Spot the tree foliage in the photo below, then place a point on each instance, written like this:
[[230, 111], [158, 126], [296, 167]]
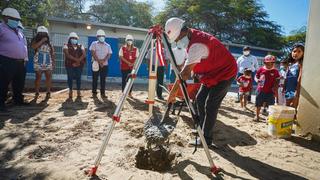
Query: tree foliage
[[238, 21], [296, 36], [31, 11], [122, 12], [72, 9]]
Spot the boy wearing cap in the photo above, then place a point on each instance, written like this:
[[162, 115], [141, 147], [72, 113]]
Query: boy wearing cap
[[267, 79], [128, 55], [245, 86], [13, 52], [101, 53]]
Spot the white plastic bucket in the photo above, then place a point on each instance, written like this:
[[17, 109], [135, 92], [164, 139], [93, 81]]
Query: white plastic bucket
[[280, 121]]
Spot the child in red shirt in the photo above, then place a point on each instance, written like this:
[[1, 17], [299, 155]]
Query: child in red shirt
[[245, 86], [267, 78]]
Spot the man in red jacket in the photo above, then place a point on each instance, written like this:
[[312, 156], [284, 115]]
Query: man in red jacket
[[214, 65]]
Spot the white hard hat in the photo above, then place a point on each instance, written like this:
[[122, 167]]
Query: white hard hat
[[95, 66], [179, 55], [42, 29], [74, 35], [11, 13], [173, 28], [101, 32], [129, 37]]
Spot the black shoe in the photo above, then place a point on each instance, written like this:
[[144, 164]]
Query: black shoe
[[161, 98], [103, 95], [237, 101]]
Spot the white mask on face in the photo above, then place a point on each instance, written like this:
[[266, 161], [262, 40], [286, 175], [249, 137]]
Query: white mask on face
[[101, 38], [129, 43], [184, 42], [246, 53]]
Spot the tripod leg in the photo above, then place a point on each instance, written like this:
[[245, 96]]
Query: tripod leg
[[116, 115]]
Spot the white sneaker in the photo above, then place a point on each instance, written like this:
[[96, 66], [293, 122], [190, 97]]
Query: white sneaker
[[194, 131], [193, 142]]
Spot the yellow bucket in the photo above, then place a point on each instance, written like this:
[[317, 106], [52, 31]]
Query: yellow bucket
[[280, 121]]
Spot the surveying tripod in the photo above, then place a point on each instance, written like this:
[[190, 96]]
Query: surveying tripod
[[156, 32]]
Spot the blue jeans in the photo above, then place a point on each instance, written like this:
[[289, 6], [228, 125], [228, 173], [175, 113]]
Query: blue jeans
[[74, 73]]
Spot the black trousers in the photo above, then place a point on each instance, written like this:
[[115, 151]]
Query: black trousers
[[102, 73], [208, 101], [11, 71], [160, 76], [125, 74]]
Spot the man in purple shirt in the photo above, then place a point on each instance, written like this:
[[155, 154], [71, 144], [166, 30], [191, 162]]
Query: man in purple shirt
[[13, 51]]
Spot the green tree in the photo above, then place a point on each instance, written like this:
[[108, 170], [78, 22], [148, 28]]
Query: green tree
[[238, 21], [72, 9], [32, 12], [296, 36], [122, 12]]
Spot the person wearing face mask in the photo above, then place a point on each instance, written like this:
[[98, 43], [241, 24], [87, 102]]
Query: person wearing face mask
[[214, 65], [247, 61], [44, 59], [128, 54], [181, 55], [75, 58], [13, 52], [101, 53]]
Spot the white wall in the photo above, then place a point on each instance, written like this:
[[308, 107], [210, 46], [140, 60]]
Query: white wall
[[309, 107]]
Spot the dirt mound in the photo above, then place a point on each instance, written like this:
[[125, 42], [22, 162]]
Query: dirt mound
[[42, 152], [159, 158]]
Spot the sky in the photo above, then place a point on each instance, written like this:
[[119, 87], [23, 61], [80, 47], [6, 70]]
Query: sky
[[289, 14]]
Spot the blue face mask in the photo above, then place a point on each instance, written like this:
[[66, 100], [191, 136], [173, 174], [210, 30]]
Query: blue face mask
[[12, 23], [74, 41]]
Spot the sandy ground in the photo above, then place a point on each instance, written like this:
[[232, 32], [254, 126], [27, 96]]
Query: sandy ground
[[59, 139]]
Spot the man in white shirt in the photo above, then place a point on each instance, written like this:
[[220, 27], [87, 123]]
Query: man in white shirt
[[247, 61], [101, 52]]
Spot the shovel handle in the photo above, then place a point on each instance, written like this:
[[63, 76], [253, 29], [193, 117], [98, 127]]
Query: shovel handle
[[168, 110]]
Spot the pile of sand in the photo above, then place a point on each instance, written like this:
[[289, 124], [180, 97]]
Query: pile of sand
[[58, 139]]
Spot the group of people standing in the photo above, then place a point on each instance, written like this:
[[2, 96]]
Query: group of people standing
[[273, 86], [202, 55], [14, 57]]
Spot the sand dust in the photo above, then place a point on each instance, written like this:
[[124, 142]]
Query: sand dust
[[59, 139]]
